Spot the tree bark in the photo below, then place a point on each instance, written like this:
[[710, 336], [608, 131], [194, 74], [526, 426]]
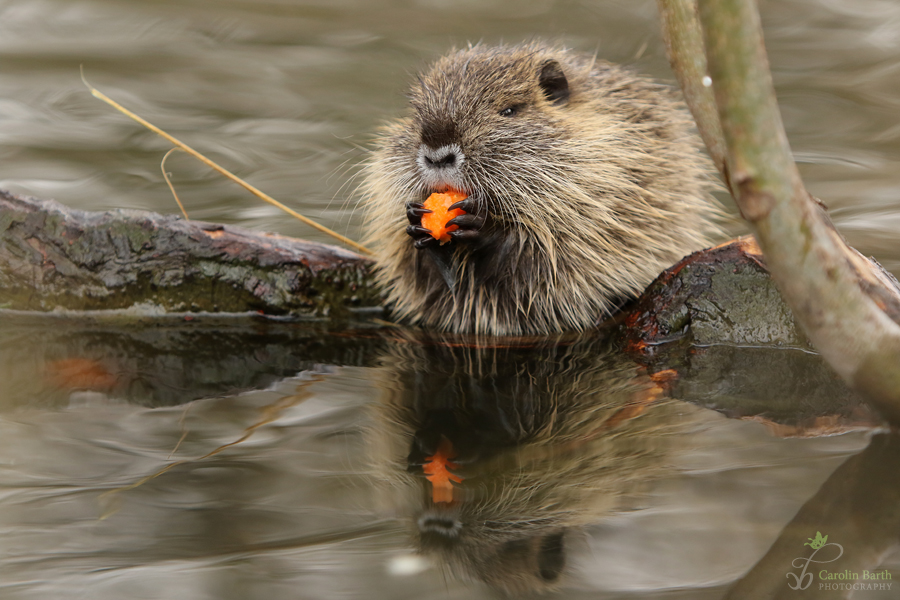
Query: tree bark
[[53, 257]]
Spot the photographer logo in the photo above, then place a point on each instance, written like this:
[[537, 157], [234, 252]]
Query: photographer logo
[[824, 553]]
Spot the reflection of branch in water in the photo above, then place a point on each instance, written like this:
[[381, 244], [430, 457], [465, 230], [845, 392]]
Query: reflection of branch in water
[[270, 413], [184, 430], [856, 508]]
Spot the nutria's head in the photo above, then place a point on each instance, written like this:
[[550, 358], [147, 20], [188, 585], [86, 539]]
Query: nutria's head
[[489, 121], [485, 135]]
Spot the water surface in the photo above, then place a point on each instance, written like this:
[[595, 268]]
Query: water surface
[[296, 455]]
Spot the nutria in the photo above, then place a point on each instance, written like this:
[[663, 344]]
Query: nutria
[[546, 440], [584, 181]]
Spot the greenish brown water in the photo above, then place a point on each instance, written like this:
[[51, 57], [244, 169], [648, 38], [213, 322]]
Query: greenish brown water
[[327, 497]]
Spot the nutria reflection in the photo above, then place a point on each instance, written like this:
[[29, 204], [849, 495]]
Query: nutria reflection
[[494, 454]]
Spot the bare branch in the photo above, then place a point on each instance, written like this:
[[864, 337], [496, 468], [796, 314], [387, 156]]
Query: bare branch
[[843, 301], [684, 47]]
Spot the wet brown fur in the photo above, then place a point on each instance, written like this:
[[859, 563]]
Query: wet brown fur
[[589, 197]]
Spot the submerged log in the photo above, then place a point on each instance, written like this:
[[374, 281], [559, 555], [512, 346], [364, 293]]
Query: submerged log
[[721, 295], [713, 327], [54, 257]]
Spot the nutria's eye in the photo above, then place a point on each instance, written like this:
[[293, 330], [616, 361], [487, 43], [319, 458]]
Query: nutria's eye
[[509, 111]]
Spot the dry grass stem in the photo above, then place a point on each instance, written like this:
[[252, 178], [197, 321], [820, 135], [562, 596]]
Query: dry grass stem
[[162, 166], [253, 190]]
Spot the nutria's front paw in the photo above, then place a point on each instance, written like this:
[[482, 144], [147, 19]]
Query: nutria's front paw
[[471, 225], [421, 236]]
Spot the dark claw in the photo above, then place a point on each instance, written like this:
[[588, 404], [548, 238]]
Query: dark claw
[[471, 225], [417, 231], [467, 221], [465, 235], [425, 242], [414, 212], [470, 205], [421, 236]]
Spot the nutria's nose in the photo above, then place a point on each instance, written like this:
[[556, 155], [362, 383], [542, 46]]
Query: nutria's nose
[[434, 523], [445, 160]]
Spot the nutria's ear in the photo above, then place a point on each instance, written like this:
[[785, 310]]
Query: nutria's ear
[[554, 83]]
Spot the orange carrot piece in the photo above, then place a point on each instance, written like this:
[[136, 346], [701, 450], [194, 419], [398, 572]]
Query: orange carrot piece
[[436, 471], [436, 220]]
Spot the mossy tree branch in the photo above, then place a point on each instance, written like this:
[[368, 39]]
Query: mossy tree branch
[[844, 302]]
